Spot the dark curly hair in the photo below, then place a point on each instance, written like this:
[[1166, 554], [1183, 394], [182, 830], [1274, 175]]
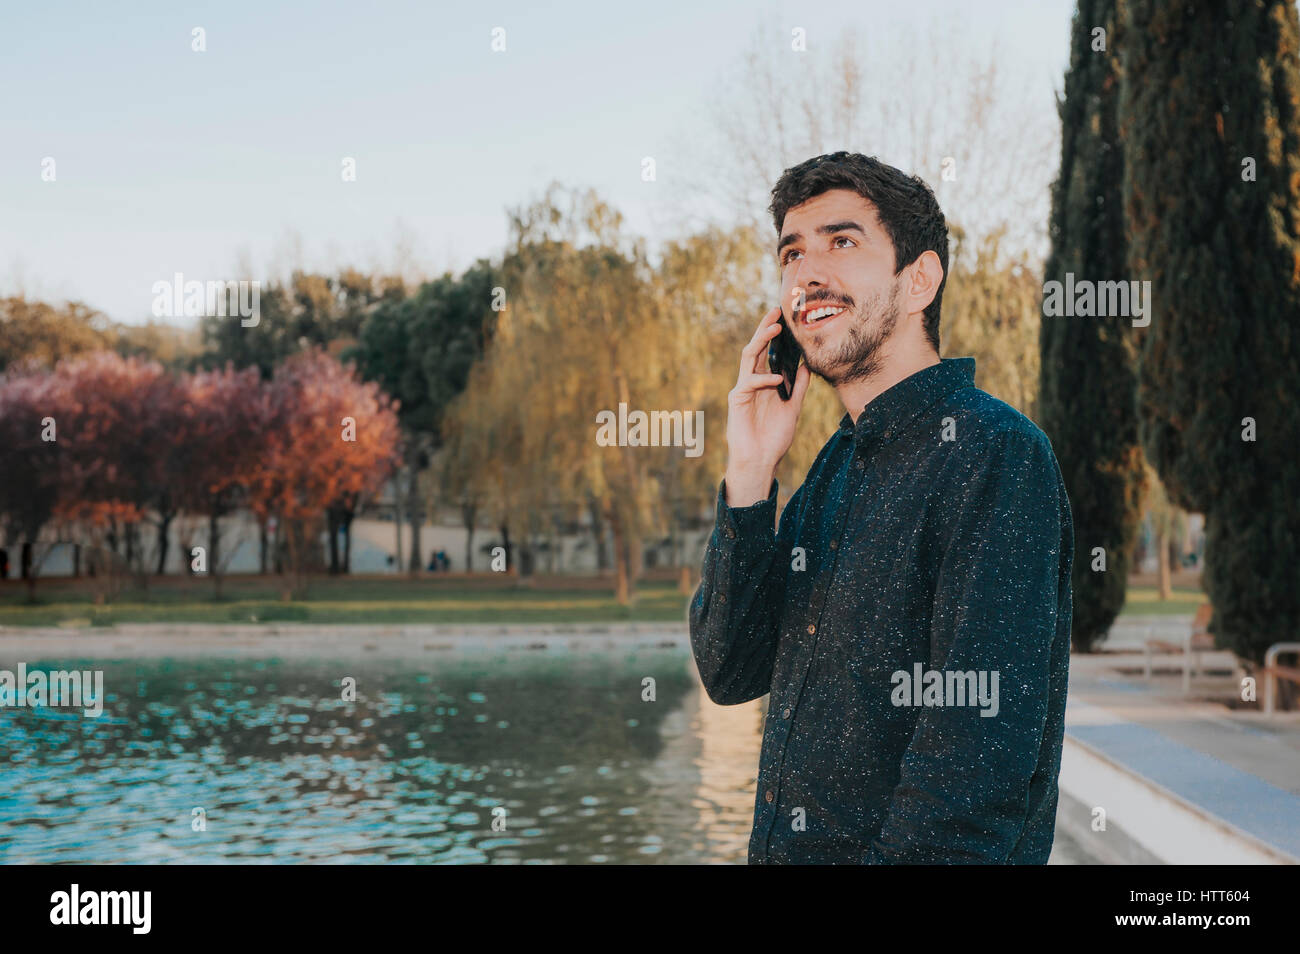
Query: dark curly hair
[[906, 206]]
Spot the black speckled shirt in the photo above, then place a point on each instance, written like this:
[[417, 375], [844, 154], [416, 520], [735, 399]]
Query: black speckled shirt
[[911, 619]]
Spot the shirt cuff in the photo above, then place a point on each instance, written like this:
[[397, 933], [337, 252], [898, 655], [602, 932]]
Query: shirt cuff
[[745, 522]]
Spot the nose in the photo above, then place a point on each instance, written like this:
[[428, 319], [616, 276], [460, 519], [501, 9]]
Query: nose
[[811, 270]]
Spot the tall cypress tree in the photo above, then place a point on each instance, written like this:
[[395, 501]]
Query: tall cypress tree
[[1088, 378], [1210, 121]]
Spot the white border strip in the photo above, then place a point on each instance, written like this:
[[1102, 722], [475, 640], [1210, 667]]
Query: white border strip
[[1166, 825]]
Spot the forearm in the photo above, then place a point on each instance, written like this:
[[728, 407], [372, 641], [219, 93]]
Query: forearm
[[746, 485], [735, 612]]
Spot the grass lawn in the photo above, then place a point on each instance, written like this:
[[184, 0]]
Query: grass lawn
[[429, 599], [1145, 601], [344, 600]]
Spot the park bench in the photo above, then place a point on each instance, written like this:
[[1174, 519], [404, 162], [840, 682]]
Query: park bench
[[1197, 640]]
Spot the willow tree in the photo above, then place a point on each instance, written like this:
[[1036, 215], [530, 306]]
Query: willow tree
[[712, 287], [991, 313], [1210, 122], [1088, 386], [593, 334], [577, 336]]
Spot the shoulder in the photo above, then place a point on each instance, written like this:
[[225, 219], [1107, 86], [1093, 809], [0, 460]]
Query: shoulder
[[999, 462], [985, 426]]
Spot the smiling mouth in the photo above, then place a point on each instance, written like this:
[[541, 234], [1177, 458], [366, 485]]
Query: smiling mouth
[[814, 316]]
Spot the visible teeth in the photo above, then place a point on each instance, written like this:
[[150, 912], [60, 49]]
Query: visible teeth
[[824, 312]]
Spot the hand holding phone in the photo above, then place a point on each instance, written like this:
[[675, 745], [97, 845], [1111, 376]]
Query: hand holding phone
[[783, 356], [760, 419]]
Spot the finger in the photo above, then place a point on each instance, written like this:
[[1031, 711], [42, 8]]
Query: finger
[[761, 338], [767, 380], [768, 327], [754, 357], [755, 381]]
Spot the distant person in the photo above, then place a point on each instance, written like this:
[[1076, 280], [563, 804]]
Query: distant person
[[4, 564], [910, 618]]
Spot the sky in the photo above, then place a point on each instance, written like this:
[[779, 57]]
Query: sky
[[227, 163]]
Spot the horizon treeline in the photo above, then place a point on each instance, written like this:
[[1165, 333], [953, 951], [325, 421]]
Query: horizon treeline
[[496, 377]]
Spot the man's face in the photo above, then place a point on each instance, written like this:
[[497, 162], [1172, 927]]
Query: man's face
[[834, 254]]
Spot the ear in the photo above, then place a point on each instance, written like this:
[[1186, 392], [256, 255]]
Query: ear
[[921, 284]]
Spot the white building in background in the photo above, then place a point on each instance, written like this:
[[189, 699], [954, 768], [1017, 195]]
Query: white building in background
[[374, 546]]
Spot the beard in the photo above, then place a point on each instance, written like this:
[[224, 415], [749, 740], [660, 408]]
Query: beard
[[859, 356]]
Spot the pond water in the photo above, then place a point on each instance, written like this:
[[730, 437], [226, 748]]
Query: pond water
[[284, 770]]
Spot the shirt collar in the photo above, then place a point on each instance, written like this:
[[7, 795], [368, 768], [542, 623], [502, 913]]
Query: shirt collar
[[891, 411]]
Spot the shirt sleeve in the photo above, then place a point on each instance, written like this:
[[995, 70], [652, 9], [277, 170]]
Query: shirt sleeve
[[736, 611], [964, 784]]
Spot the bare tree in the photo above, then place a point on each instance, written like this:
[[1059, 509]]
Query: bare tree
[[971, 123]]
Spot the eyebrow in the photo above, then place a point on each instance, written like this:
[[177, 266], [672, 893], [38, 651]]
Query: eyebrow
[[831, 229]]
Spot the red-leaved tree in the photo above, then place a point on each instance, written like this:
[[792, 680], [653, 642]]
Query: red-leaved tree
[[332, 441], [31, 406]]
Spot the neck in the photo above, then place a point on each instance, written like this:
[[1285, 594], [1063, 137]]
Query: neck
[[903, 360]]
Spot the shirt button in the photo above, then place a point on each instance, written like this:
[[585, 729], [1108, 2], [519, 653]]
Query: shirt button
[[768, 795], [722, 597], [835, 544], [786, 713], [859, 463], [730, 531], [812, 628]]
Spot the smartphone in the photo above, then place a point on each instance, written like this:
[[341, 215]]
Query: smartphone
[[783, 354]]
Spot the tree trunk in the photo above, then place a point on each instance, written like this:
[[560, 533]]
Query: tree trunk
[[1162, 551], [293, 544], [332, 531], [261, 547], [505, 544], [397, 524], [598, 536], [214, 552], [347, 542], [685, 585], [306, 548], [416, 515], [277, 547], [636, 557], [622, 582], [164, 530], [27, 570], [76, 560], [128, 532], [467, 512], [137, 558]]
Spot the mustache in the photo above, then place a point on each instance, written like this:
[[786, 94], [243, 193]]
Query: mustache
[[810, 303]]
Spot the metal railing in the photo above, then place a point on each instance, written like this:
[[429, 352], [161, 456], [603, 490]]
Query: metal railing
[[1273, 672]]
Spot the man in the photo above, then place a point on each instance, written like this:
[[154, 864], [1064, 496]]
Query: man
[[910, 617]]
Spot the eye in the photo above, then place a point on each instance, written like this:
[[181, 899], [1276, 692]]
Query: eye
[[785, 259], [844, 238]]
